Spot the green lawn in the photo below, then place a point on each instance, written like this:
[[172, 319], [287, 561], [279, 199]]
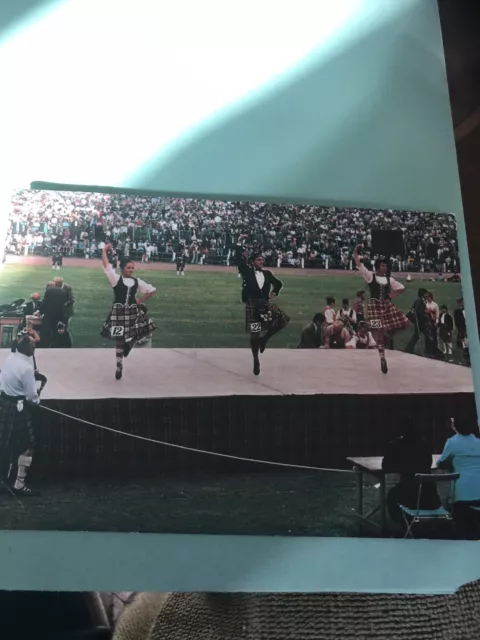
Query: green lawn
[[299, 503], [201, 309]]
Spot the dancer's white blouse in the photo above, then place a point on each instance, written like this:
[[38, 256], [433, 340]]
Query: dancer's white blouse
[[383, 280], [114, 277]]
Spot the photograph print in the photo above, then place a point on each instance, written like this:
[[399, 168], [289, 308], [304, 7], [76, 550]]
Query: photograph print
[[176, 365]]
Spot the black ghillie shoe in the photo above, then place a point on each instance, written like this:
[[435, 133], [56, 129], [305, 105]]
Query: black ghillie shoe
[[383, 365], [256, 366], [118, 373]]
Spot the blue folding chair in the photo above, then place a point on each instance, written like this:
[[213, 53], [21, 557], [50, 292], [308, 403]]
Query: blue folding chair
[[416, 516]]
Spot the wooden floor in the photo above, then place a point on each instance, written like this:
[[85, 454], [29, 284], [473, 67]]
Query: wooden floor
[[176, 373]]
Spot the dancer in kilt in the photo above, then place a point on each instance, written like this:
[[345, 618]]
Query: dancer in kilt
[[263, 319], [128, 321], [17, 396], [383, 316], [181, 262]]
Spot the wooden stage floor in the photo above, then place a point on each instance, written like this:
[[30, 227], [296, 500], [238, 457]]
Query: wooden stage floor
[[88, 374]]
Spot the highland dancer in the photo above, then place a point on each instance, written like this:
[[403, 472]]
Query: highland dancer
[[383, 316], [128, 321], [263, 319]]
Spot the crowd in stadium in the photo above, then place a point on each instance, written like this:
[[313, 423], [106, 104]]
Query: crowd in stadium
[[76, 223]]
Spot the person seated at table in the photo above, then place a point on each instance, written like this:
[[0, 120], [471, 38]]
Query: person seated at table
[[408, 455], [461, 454]]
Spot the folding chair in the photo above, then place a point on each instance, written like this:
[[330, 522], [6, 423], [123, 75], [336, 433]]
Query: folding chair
[[417, 515], [476, 510]]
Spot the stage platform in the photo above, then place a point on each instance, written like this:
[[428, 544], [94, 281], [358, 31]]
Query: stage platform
[[88, 374], [307, 407]]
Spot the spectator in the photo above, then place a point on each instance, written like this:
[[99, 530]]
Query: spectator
[[61, 338], [312, 334], [363, 339], [336, 336], [460, 323], [347, 316], [461, 454], [408, 455], [295, 235], [359, 305], [70, 299], [422, 327], [330, 313], [33, 307], [55, 308], [445, 330], [432, 308]]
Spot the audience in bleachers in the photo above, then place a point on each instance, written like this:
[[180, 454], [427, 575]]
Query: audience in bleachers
[[295, 236]]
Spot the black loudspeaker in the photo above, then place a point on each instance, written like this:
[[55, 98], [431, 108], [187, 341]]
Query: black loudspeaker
[[388, 243]]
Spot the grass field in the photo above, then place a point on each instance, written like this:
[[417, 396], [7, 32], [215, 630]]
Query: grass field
[[269, 503], [201, 310]]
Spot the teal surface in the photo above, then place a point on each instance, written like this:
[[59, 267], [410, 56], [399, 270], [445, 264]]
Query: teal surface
[[366, 123]]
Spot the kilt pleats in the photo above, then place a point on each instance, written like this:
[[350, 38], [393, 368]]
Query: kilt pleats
[[382, 314], [129, 322], [260, 316]]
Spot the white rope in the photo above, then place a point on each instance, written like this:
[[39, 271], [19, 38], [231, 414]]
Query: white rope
[[184, 448]]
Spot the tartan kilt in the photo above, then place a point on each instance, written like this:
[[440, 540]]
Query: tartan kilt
[[16, 433], [260, 316], [129, 322], [382, 314]]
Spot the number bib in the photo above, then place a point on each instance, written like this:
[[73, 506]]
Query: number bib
[[117, 331]]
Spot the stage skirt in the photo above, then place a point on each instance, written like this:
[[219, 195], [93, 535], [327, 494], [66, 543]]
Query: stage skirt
[[260, 316], [129, 322], [16, 432], [384, 315]]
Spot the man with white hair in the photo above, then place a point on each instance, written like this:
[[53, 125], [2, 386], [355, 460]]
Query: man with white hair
[[32, 308], [57, 307]]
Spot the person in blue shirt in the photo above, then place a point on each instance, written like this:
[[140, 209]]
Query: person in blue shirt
[[461, 454]]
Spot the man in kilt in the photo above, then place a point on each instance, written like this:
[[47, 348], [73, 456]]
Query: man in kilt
[[181, 260], [57, 258], [263, 319], [384, 318], [18, 393], [128, 321]]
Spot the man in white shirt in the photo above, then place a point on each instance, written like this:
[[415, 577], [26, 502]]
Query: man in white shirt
[[348, 316], [462, 455], [17, 393]]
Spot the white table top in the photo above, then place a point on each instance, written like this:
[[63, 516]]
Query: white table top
[[374, 463]]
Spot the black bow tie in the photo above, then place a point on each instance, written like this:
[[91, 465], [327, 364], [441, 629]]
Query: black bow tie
[[257, 269]]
